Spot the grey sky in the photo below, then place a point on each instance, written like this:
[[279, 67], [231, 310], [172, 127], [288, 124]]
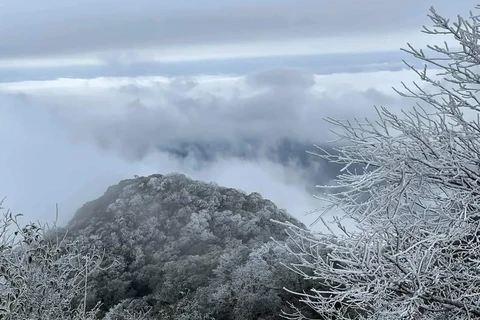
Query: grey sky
[[111, 29]]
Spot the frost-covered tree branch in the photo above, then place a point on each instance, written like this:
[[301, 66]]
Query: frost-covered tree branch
[[415, 249]]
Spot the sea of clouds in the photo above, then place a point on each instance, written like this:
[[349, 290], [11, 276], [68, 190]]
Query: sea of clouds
[[65, 141]]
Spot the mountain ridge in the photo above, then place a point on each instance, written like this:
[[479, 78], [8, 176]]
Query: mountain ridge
[[183, 247]]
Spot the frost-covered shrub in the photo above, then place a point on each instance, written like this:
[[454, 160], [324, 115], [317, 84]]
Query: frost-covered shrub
[[42, 276], [414, 249]]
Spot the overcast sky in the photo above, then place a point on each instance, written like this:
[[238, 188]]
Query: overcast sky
[[92, 92], [56, 32]]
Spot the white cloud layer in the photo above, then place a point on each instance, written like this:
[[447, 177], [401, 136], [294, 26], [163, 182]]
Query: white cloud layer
[[67, 140]]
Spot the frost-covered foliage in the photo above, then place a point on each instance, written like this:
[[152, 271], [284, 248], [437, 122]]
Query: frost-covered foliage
[[42, 276], [415, 251], [187, 249], [128, 309]]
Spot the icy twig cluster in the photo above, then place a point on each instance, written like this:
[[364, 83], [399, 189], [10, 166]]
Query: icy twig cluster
[[411, 184]]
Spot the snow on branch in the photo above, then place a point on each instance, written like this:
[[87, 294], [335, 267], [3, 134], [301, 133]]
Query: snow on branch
[[415, 251]]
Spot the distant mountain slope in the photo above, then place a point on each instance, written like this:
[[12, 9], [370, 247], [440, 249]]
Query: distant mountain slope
[[188, 249]]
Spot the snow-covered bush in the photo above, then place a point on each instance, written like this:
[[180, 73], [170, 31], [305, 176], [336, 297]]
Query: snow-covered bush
[[42, 276], [414, 252]]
